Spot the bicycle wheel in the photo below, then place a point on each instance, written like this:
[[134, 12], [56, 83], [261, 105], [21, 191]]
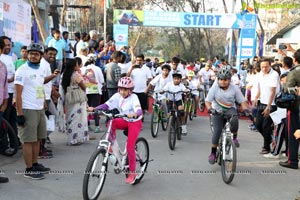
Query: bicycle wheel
[[10, 137], [172, 132], [228, 162], [95, 174], [142, 158], [164, 122], [154, 122], [192, 109], [178, 128]]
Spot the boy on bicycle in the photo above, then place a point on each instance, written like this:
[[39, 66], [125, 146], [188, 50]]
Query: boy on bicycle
[[222, 98], [126, 103], [193, 84], [158, 83], [176, 86]]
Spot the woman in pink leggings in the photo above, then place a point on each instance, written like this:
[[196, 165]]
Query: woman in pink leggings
[[127, 103]]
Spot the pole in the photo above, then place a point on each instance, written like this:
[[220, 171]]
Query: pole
[[230, 39], [104, 19]]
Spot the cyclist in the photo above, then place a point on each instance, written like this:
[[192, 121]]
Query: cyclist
[[126, 103], [222, 98], [158, 83], [193, 84], [175, 86]]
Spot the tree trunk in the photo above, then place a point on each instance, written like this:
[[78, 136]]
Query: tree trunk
[[63, 13], [39, 21]]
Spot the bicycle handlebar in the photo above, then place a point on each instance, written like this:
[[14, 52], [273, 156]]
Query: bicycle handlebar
[[109, 115]]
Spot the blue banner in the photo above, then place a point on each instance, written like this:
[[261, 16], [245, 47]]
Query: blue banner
[[199, 20], [121, 35]]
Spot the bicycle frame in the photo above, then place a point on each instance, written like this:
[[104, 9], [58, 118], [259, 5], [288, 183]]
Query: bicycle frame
[[106, 144]]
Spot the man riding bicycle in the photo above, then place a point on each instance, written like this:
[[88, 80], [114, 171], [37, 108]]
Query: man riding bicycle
[[222, 98]]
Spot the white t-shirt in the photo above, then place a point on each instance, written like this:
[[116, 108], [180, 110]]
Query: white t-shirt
[[98, 78], [8, 61], [32, 81], [129, 105], [179, 69], [45, 66], [174, 88], [159, 82], [253, 82], [265, 84], [193, 85], [124, 67], [140, 77], [206, 75]]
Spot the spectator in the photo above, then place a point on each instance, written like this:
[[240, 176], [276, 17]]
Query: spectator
[[60, 46], [293, 80], [93, 43], [10, 113], [268, 86], [23, 58], [30, 99], [81, 43], [77, 39], [68, 45], [3, 93], [113, 73], [49, 57], [141, 75], [76, 114], [94, 81], [50, 37]]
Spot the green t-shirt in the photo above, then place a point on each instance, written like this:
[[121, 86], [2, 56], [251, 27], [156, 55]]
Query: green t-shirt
[[18, 63]]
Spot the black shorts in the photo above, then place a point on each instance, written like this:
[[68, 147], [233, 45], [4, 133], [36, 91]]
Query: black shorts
[[170, 104], [143, 98]]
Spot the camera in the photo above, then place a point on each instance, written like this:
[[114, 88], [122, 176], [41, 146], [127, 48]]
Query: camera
[[282, 46], [292, 90], [137, 66], [274, 50]]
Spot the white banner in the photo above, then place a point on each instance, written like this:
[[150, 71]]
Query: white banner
[[17, 21]]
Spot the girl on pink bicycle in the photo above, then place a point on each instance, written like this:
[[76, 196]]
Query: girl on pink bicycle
[[126, 103]]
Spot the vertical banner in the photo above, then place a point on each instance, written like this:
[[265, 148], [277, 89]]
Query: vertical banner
[[1, 18], [121, 35], [17, 21]]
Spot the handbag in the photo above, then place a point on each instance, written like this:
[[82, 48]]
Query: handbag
[[74, 95], [284, 100]]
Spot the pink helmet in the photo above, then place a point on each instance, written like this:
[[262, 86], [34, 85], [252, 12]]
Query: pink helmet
[[126, 82]]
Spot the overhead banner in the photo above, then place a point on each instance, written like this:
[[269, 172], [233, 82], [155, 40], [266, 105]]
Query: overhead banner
[[184, 19], [245, 22], [17, 21]]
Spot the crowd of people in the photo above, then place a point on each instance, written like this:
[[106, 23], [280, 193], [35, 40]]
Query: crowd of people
[[98, 76]]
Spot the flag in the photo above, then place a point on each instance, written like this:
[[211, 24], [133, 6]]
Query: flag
[[35, 32], [106, 3]]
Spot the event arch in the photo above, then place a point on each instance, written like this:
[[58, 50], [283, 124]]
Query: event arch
[[148, 18]]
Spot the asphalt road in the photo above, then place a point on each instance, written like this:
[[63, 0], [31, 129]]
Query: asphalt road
[[183, 174]]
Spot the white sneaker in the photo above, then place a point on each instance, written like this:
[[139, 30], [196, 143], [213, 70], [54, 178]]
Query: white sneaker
[[184, 130], [271, 156]]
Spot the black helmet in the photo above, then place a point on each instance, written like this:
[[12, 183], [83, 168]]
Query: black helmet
[[166, 66], [177, 74], [35, 47], [224, 72]]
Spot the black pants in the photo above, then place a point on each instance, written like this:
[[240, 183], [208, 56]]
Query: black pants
[[265, 125], [94, 101], [293, 125]]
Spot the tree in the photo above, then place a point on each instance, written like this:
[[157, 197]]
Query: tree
[[63, 12]]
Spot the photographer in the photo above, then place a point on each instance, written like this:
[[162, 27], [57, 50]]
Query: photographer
[[292, 81]]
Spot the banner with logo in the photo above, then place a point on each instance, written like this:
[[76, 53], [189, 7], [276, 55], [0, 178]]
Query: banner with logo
[[121, 35]]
